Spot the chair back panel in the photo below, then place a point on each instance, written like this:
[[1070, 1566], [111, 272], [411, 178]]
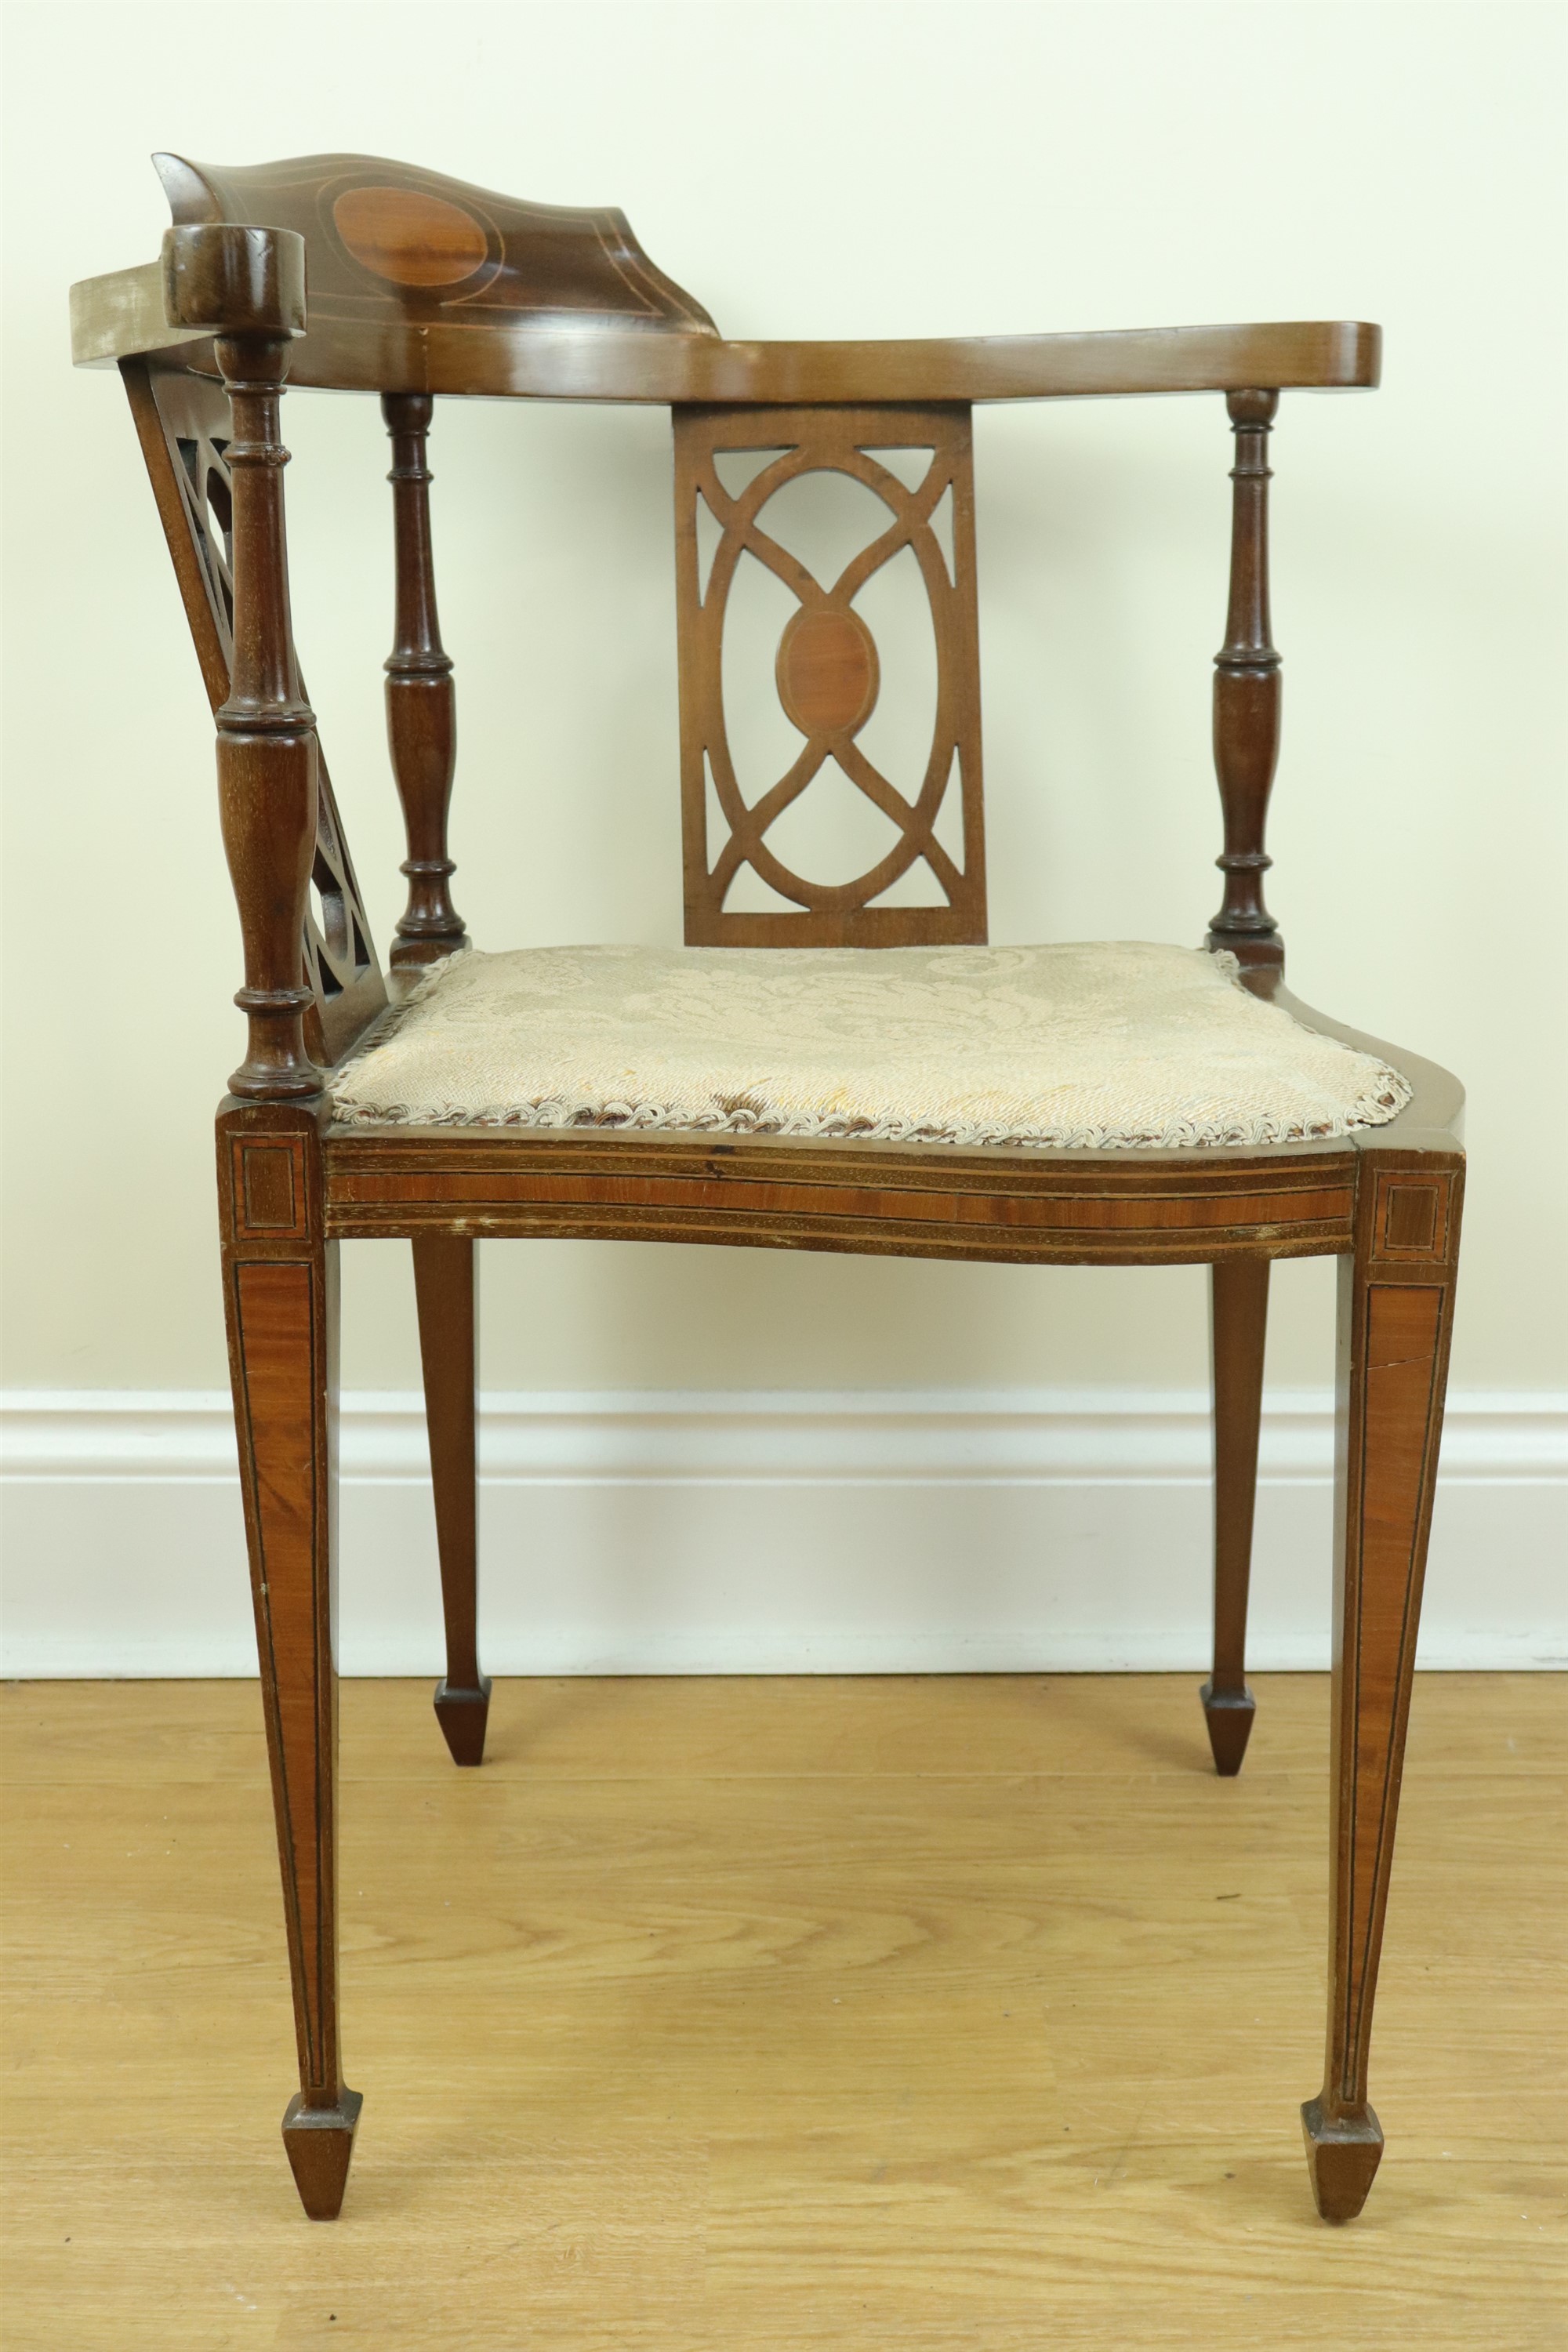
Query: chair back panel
[[184, 428], [389, 244], [926, 883], [859, 824]]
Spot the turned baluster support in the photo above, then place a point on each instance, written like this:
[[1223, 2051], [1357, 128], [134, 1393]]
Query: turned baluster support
[[246, 287], [421, 704], [1246, 700], [265, 739]]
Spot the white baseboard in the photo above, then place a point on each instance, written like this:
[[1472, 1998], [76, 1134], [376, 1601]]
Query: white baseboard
[[927, 1531]]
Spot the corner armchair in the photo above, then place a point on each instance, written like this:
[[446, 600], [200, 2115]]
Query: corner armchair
[[837, 1064]]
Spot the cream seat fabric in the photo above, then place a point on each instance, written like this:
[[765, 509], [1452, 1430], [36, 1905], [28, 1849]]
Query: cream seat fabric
[[1120, 1045]]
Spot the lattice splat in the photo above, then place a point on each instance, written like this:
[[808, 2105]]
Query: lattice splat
[[184, 425], [828, 676]]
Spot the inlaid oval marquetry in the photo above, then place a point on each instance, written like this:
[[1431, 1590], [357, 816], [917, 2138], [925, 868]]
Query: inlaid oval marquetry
[[830, 812], [828, 671], [410, 238]]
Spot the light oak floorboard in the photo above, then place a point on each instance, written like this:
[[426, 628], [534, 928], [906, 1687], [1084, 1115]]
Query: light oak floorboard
[[785, 2014]]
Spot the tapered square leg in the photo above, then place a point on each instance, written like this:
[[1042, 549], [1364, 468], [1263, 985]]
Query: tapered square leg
[[445, 1289], [280, 1281], [1396, 1296], [1238, 1318]]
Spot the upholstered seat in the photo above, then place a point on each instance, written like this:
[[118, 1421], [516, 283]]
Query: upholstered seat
[[1115, 1045]]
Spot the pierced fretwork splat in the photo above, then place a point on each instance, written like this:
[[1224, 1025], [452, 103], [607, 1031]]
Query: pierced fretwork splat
[[184, 425], [210, 514], [911, 856]]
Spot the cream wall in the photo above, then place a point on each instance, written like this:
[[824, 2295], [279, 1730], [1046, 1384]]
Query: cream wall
[[821, 170]]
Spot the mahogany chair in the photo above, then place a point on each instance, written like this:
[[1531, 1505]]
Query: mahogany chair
[[412, 1103]]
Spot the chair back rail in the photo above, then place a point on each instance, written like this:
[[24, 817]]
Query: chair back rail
[[421, 285], [124, 312]]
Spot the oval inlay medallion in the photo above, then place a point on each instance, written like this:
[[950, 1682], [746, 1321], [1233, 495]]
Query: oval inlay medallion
[[828, 671], [408, 237]]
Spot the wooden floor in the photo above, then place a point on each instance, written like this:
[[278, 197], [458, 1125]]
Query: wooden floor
[[781, 2014]]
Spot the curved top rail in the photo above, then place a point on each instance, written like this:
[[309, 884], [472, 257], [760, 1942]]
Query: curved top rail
[[388, 245], [120, 317], [418, 283]]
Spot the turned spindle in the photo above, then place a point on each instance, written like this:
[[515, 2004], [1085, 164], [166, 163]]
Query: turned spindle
[[1246, 700], [421, 705], [266, 757]]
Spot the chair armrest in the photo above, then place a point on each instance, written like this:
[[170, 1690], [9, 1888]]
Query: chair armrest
[[128, 313]]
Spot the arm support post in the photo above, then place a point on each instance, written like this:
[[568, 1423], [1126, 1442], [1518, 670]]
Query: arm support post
[[1246, 700], [266, 757], [421, 705]]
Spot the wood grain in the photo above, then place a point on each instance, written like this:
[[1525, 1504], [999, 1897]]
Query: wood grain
[[1247, 699], [276, 1317], [420, 284], [796, 1193], [954, 2011], [390, 244], [1238, 1322], [266, 758], [123, 315], [280, 1294], [184, 428], [826, 672], [446, 1289], [421, 701], [1396, 1314]]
